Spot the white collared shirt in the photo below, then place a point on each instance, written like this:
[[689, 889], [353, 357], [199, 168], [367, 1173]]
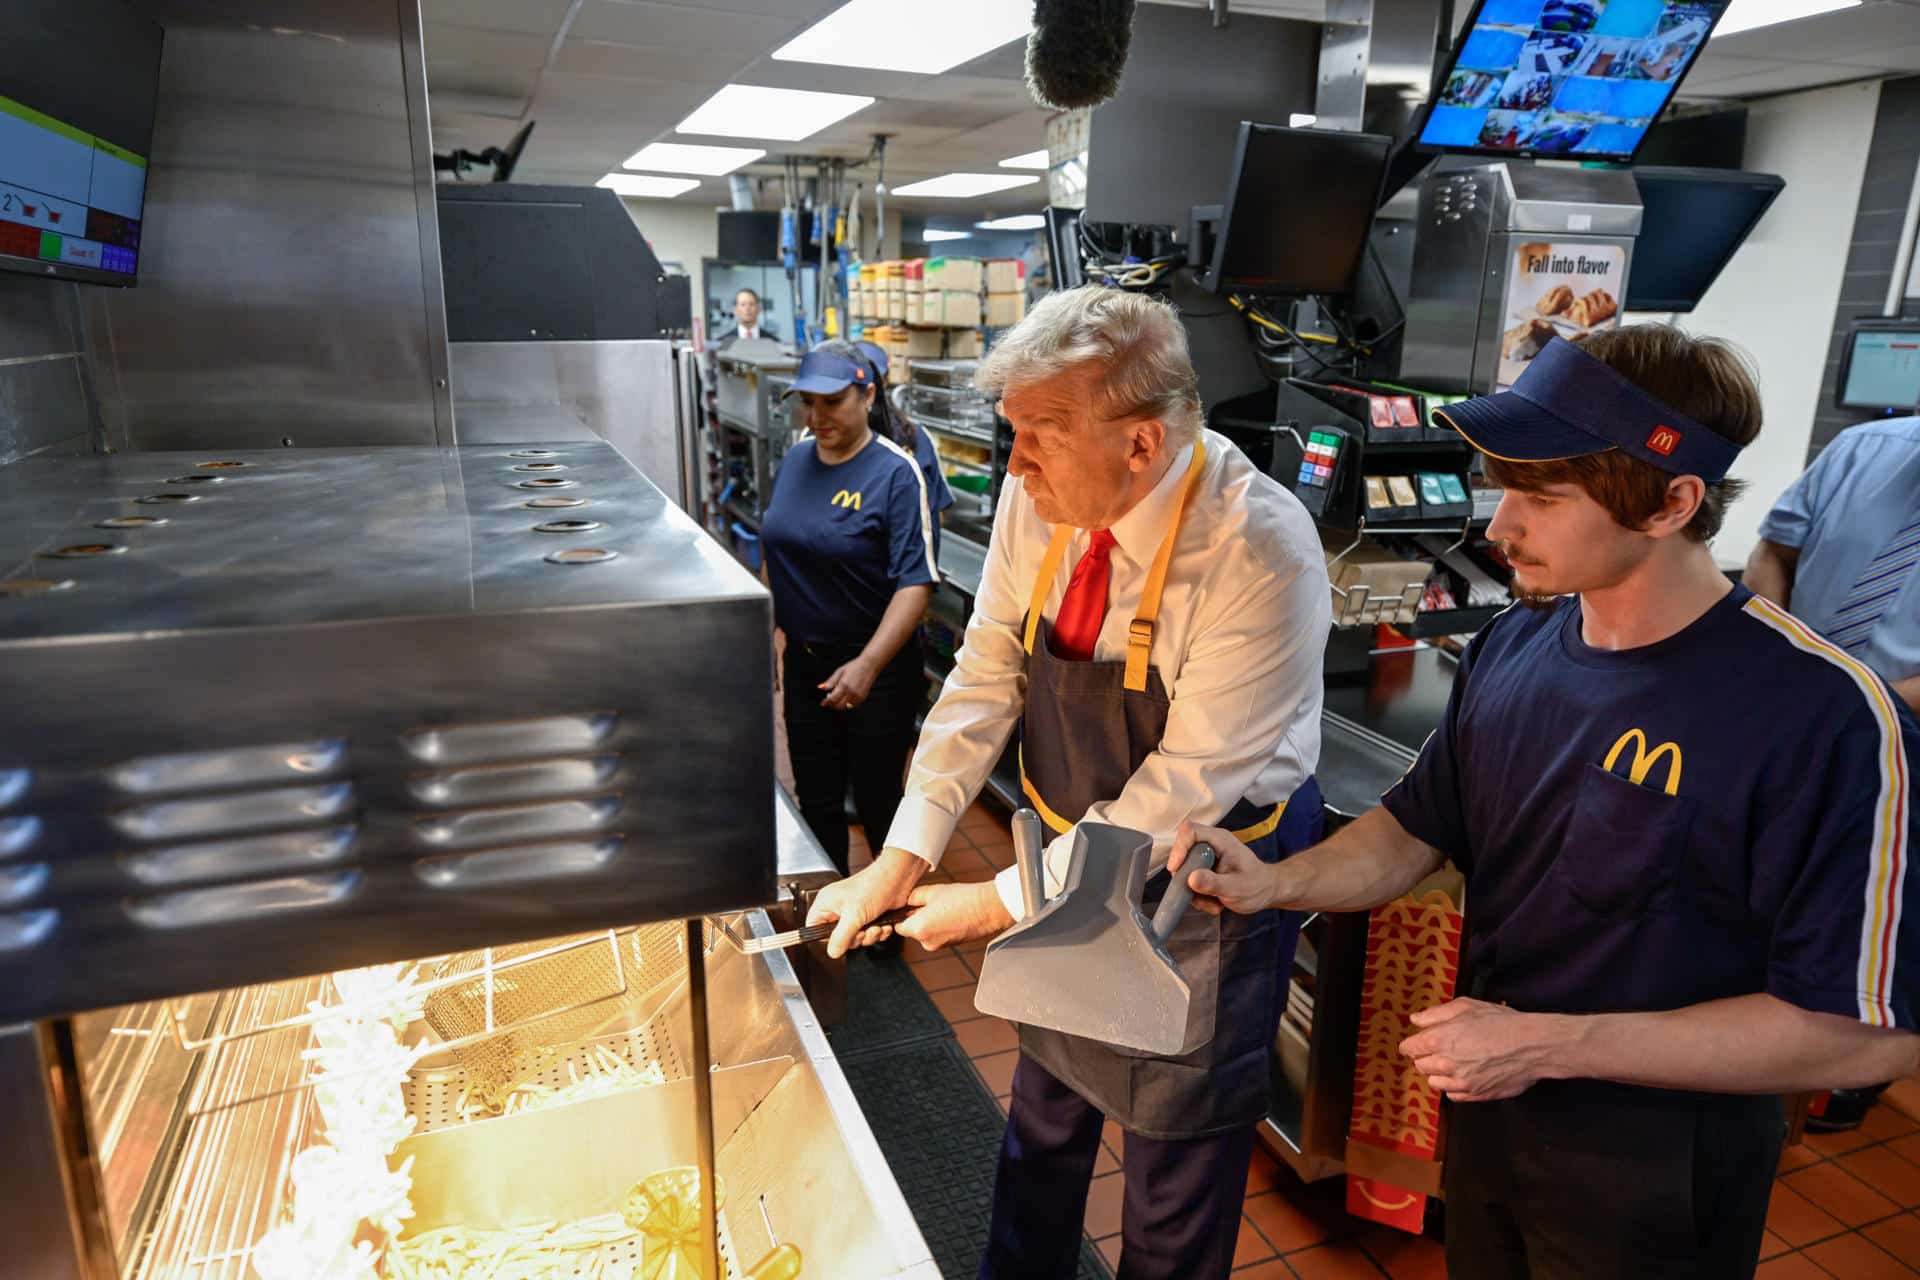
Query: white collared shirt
[[1239, 645]]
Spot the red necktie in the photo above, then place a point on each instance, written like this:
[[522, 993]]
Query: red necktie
[[1084, 607]]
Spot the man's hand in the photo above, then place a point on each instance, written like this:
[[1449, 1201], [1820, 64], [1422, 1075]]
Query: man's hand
[[951, 913], [1478, 1052], [1239, 881], [863, 895], [849, 684]]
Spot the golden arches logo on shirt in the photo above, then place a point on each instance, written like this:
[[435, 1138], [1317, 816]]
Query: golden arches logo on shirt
[[1644, 760], [848, 499]]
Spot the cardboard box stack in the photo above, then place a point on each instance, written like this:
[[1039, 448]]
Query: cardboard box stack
[[916, 272], [1006, 292]]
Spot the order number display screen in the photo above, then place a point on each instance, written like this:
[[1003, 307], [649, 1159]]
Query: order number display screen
[[67, 196], [1883, 370], [1580, 78]]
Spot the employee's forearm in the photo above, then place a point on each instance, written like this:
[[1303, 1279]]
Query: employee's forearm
[[904, 611], [1908, 691], [1769, 572], [1749, 1044], [1371, 860]]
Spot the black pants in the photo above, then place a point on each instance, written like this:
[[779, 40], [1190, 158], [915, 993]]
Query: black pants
[[1578, 1181], [867, 745], [1181, 1216]]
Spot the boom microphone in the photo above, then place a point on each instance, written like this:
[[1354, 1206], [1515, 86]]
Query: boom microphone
[[1077, 51]]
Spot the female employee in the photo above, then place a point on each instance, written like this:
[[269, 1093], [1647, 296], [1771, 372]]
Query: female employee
[[849, 552], [914, 439]]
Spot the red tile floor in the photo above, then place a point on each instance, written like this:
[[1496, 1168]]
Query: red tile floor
[[1844, 1204]]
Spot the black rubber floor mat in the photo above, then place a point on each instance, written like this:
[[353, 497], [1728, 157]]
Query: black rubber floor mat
[[940, 1130], [886, 1008]]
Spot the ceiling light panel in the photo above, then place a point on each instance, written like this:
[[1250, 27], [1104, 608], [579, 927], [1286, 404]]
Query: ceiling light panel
[[932, 235], [1019, 222], [961, 185], [785, 115], [925, 37], [686, 157], [1031, 160], [1746, 15], [650, 186]]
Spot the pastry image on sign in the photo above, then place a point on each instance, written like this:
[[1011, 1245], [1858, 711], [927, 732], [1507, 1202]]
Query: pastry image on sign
[[1524, 340], [1592, 309], [1557, 288]]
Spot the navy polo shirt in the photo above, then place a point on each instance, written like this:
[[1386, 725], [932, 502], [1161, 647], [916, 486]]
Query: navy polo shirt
[[1725, 812], [840, 539]]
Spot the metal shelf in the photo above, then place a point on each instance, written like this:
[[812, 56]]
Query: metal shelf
[[961, 563], [942, 427]]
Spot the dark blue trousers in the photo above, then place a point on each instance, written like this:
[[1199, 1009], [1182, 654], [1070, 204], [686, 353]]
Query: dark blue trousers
[[1182, 1215]]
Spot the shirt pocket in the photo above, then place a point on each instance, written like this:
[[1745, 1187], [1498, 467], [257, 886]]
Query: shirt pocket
[[1625, 846]]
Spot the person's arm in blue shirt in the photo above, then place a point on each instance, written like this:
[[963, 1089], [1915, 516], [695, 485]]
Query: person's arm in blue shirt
[[1378, 857], [910, 553], [1775, 557]]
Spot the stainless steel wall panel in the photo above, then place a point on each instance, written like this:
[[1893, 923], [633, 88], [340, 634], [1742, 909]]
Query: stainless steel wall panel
[[622, 392], [283, 290]]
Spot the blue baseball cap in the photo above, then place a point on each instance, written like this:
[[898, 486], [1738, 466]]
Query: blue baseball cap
[[877, 354], [824, 373], [1569, 405]]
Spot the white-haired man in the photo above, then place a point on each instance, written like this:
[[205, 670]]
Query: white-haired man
[[1152, 615]]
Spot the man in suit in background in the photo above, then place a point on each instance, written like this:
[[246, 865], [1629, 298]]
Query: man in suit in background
[[746, 319]]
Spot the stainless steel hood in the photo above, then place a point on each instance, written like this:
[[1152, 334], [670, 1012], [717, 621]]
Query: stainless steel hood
[[269, 712]]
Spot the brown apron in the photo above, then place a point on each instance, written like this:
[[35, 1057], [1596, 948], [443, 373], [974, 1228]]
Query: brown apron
[[1086, 728]]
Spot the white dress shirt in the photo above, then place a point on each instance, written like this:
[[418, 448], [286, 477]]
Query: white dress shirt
[[1239, 645]]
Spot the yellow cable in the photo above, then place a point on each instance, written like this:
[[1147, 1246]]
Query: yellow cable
[[1281, 329]]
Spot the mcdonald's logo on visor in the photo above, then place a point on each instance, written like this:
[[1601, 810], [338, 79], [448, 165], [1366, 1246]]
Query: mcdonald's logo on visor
[[846, 499], [1643, 760], [1664, 441]]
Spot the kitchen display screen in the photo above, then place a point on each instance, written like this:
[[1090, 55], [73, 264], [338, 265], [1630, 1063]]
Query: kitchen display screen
[[78, 79], [1577, 78]]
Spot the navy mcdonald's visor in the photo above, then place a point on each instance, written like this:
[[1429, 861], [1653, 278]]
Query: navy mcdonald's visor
[[877, 354], [826, 374], [1568, 405]]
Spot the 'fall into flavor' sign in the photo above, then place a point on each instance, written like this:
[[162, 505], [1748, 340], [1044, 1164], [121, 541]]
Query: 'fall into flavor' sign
[[1563, 289]]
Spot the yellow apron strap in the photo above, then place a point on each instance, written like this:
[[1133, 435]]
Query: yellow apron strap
[[1053, 820], [1056, 550], [1265, 827], [1246, 835], [1140, 630]]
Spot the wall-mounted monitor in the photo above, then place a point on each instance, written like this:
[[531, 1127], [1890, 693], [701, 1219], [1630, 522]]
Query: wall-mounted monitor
[[1578, 79], [1299, 205], [1880, 367], [1691, 223], [78, 79]]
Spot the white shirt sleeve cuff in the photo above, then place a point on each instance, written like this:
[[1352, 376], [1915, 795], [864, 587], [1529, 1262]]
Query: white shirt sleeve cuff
[[1057, 856], [922, 828], [1007, 884]]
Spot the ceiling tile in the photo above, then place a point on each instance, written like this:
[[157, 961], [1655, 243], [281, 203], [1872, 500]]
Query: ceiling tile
[[468, 60], [1828, 37], [671, 26], [629, 61], [531, 17]]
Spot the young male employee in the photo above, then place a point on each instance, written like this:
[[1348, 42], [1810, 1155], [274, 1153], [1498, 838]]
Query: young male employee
[[1685, 822]]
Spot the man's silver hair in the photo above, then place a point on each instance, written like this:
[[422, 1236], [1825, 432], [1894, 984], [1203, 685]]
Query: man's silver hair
[[1137, 340]]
